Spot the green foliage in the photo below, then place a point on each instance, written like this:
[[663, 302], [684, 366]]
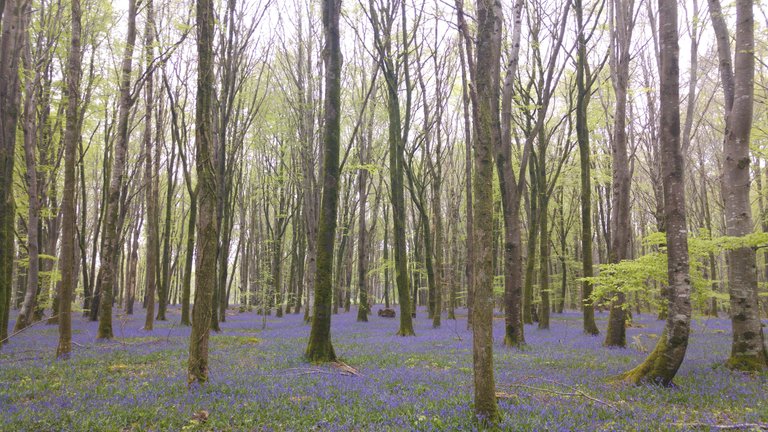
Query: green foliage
[[646, 274]]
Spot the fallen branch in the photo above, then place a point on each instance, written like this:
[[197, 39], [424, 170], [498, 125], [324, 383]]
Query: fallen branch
[[735, 426], [29, 326], [345, 368], [574, 392]]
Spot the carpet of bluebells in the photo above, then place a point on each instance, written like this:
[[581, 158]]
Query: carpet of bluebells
[[260, 382]]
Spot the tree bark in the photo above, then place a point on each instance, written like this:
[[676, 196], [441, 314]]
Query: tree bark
[[622, 25], [320, 348], [151, 174], [207, 229], [489, 19], [662, 364], [13, 30], [583, 89], [111, 249], [748, 349], [71, 137]]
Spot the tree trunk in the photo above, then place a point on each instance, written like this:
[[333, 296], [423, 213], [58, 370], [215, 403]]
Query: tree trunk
[[489, 22], [748, 349], [622, 23], [71, 138], [29, 126], [362, 242], [207, 229], [151, 173], [165, 270], [110, 251], [582, 136], [662, 364], [319, 348]]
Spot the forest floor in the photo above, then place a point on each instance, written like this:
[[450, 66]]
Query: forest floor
[[260, 382]]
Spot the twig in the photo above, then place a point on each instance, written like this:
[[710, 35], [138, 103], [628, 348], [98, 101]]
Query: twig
[[735, 426], [29, 326], [575, 392], [345, 368]]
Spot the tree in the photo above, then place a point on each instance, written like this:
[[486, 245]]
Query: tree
[[584, 82], [151, 173], [14, 22], [622, 23], [511, 192], [207, 229], [748, 350], [486, 108], [71, 138], [382, 17], [111, 248], [320, 348], [662, 364]]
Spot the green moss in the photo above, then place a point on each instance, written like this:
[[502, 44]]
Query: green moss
[[747, 363], [651, 370]]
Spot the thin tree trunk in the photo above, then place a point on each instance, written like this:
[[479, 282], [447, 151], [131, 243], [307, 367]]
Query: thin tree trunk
[[110, 251], [71, 138], [151, 174]]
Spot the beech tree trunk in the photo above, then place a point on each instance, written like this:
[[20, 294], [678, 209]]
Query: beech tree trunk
[[320, 348], [151, 174], [748, 349], [71, 137], [207, 228], [111, 249], [487, 77], [622, 19], [583, 89], [662, 364]]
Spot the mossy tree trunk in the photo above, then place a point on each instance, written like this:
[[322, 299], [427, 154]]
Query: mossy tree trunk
[[390, 64], [320, 348], [487, 80], [622, 23], [68, 221], [584, 83], [207, 228], [748, 350], [179, 137], [29, 127], [662, 364], [111, 248], [13, 30]]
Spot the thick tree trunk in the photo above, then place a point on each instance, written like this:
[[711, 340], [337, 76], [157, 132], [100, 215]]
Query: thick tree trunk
[[662, 364], [207, 229], [29, 126], [319, 348], [622, 22], [13, 31], [489, 19], [510, 197], [748, 350]]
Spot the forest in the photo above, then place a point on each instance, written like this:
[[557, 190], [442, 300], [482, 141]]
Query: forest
[[383, 215]]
